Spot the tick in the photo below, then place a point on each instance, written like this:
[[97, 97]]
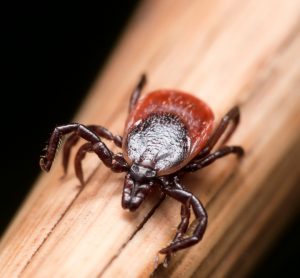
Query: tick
[[168, 133]]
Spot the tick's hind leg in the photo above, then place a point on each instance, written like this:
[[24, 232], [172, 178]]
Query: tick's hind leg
[[73, 139], [198, 164], [137, 92], [205, 158], [232, 116]]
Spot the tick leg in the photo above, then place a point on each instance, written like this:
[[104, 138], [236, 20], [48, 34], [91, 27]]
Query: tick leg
[[184, 212], [185, 218], [118, 164], [183, 225], [233, 115], [186, 198], [195, 164], [106, 134], [73, 139], [137, 92], [87, 147], [70, 142], [181, 229], [97, 145]]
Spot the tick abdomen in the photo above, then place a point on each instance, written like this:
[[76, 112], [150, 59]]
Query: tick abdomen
[[160, 142]]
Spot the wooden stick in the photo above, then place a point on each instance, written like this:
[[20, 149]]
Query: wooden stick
[[227, 53]]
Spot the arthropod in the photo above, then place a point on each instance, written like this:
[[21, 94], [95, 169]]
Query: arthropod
[[167, 134]]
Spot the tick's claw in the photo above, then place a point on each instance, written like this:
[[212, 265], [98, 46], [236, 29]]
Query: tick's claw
[[166, 250], [45, 164]]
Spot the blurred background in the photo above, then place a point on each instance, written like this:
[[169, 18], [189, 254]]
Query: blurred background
[[51, 54]]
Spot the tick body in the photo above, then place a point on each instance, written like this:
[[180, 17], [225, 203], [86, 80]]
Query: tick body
[[168, 133], [166, 130]]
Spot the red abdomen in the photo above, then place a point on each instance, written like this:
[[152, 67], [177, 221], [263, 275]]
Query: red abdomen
[[166, 130]]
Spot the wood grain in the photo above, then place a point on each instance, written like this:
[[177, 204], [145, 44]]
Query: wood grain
[[227, 53]]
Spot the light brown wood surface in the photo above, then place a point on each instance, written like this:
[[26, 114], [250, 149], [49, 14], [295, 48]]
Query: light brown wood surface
[[227, 53]]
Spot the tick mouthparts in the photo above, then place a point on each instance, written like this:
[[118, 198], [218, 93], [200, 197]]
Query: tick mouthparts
[[132, 202]]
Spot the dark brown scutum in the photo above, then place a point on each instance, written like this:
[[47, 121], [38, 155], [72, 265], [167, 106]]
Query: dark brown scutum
[[159, 142]]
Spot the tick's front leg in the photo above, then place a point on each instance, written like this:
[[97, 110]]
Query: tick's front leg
[[186, 198], [118, 163], [181, 229], [100, 131], [81, 131]]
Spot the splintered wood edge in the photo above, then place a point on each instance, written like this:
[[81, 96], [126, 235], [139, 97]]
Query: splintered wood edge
[[65, 230]]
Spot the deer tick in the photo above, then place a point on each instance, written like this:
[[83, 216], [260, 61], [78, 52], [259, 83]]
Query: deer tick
[[168, 133]]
